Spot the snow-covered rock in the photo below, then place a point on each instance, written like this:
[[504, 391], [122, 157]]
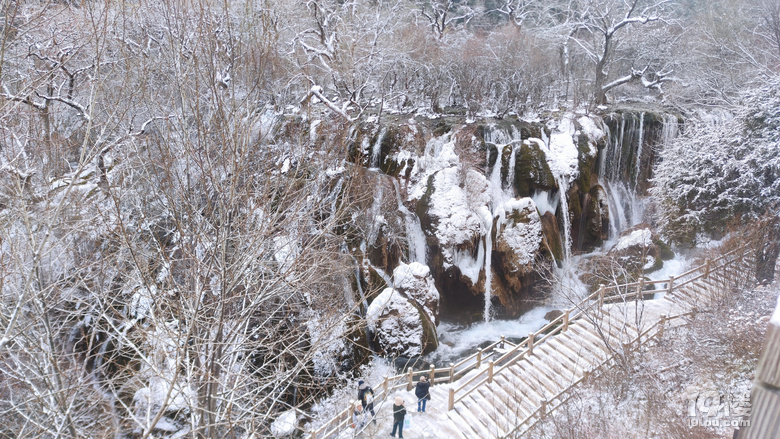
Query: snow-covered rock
[[518, 243], [636, 250], [400, 327], [415, 281]]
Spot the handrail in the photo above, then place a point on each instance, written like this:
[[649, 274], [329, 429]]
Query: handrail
[[520, 350], [582, 306]]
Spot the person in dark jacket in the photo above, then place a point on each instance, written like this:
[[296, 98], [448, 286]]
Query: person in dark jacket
[[399, 412], [366, 397], [422, 393]]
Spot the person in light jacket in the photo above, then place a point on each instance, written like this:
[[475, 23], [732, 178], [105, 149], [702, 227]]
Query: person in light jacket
[[359, 419], [422, 393], [399, 412]]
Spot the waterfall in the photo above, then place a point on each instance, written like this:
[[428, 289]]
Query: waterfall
[[415, 237], [638, 161], [376, 151], [375, 211], [563, 187], [488, 272], [510, 180]]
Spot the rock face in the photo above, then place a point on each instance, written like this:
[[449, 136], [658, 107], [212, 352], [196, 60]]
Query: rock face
[[403, 319], [519, 244], [499, 200]]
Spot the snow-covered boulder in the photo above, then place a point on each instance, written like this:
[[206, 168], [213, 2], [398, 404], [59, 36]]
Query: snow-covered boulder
[[455, 217], [401, 328], [415, 282], [636, 250], [454, 209], [518, 242]]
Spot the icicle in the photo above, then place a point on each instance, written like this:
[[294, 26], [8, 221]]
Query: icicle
[[563, 187], [488, 272], [415, 237], [638, 160], [510, 183], [376, 151]]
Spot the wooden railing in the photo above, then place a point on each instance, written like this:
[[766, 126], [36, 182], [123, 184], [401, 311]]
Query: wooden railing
[[640, 339], [624, 292], [406, 380], [486, 356]]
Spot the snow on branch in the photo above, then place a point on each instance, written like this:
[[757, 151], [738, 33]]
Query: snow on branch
[[69, 102], [316, 91]]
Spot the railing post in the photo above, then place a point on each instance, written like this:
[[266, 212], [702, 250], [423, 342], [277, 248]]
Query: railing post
[[640, 289], [543, 408], [452, 372], [349, 409], [384, 385], [490, 371], [707, 269], [661, 324], [601, 296], [479, 358], [410, 380], [451, 402], [671, 284], [565, 321], [531, 343], [502, 342], [433, 374]]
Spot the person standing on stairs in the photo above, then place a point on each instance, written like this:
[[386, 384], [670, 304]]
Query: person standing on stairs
[[399, 412], [366, 397], [422, 392]]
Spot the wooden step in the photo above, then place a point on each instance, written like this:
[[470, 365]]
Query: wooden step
[[583, 358], [622, 320], [496, 421], [530, 383], [573, 365], [587, 336], [481, 421], [463, 425], [558, 364], [537, 375], [510, 398], [513, 377]]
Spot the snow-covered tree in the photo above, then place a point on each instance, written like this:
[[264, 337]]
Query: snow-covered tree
[[722, 170]]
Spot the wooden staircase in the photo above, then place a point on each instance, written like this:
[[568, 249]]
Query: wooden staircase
[[503, 390]]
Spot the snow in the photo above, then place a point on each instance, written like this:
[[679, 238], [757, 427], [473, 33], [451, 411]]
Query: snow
[[439, 154], [775, 319], [545, 202], [460, 212], [327, 334], [562, 154], [285, 425], [590, 129], [396, 322], [641, 237], [416, 281], [523, 238], [142, 302]]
